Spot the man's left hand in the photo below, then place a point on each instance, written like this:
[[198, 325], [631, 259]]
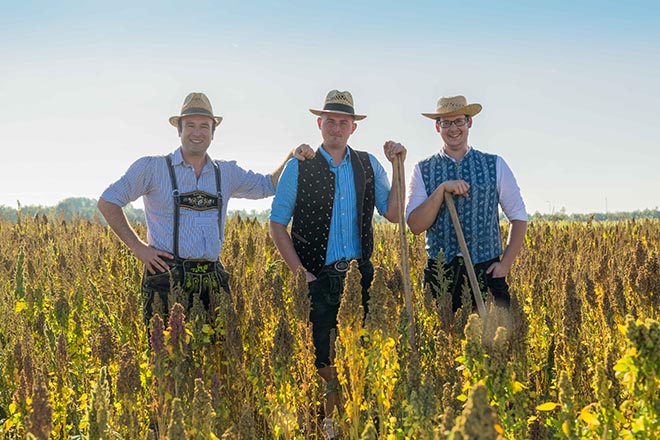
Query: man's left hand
[[392, 149], [498, 270]]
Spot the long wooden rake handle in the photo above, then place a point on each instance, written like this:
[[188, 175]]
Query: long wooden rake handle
[[481, 308], [400, 188]]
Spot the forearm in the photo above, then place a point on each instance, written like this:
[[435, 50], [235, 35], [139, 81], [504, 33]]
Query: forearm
[[118, 222], [284, 245], [392, 213], [422, 217], [515, 242], [275, 174]]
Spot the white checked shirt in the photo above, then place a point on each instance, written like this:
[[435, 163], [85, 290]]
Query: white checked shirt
[[508, 191], [199, 236]]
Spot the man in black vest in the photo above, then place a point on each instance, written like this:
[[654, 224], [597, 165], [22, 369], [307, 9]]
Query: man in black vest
[[331, 199]]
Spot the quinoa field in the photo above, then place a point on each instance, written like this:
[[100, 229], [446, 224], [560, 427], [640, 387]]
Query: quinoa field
[[577, 356]]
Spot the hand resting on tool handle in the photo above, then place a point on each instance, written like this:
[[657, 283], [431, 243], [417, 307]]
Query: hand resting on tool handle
[[456, 187], [422, 217]]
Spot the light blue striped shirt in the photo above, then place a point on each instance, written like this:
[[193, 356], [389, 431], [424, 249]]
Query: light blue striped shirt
[[199, 236], [344, 239]]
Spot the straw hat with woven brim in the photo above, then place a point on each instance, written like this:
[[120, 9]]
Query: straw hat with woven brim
[[338, 102], [196, 104], [453, 106]]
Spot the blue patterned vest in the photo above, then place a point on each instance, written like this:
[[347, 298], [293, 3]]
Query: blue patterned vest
[[478, 213]]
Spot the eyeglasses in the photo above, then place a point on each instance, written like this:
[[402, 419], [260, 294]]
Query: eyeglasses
[[458, 122]]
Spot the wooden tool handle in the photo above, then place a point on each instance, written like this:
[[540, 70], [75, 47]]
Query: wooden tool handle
[[481, 307]]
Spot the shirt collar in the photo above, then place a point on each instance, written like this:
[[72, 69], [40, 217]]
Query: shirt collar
[[177, 159], [327, 156], [446, 156]]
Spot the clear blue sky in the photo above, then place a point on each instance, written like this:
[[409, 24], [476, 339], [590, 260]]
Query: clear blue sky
[[570, 89]]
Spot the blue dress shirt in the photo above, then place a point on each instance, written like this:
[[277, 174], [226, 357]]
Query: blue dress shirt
[[344, 239]]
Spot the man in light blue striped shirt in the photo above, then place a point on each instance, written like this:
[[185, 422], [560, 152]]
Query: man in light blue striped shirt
[[185, 198], [331, 200]]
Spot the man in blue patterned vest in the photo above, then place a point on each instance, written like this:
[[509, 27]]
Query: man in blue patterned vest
[[331, 199], [481, 181]]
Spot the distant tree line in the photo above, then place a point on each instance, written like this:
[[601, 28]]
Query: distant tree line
[[83, 207], [597, 216], [67, 209]]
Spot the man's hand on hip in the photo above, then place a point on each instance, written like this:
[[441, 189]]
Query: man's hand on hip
[[151, 258], [498, 270]]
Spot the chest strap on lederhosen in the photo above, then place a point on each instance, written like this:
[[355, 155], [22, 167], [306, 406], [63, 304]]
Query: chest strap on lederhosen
[[177, 202]]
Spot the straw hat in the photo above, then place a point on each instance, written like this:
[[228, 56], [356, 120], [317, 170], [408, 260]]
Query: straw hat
[[453, 106], [196, 103], [338, 102]]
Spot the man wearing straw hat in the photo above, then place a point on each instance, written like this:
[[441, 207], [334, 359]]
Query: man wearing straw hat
[[185, 200], [331, 200], [482, 181]]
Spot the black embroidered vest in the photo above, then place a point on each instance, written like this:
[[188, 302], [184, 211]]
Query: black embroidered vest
[[310, 229]]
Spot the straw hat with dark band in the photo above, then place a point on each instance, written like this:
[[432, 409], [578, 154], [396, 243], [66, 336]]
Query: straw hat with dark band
[[196, 104], [338, 102], [453, 106]]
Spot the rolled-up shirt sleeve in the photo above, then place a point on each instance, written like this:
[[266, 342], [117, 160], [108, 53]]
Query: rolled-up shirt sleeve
[[382, 185], [135, 183], [416, 191], [246, 184], [508, 191], [285, 197]]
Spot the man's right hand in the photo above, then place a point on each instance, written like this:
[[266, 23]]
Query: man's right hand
[[457, 187], [151, 258]]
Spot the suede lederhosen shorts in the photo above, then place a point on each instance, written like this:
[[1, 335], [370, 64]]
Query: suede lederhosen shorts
[[193, 277], [325, 293], [456, 273]]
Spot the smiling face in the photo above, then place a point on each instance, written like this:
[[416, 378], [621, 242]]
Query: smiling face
[[196, 134], [455, 137], [336, 128]]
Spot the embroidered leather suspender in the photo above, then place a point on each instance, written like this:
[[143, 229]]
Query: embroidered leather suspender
[[177, 202]]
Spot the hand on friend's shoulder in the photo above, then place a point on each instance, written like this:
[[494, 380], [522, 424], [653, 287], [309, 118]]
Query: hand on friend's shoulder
[[302, 152]]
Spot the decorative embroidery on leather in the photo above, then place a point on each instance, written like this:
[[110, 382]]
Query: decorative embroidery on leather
[[198, 201]]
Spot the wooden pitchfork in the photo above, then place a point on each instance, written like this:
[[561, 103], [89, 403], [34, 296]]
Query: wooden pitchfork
[[481, 308], [400, 188]]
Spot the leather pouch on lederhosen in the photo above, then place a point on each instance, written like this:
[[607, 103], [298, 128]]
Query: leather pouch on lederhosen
[[164, 281], [158, 288], [201, 275]]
